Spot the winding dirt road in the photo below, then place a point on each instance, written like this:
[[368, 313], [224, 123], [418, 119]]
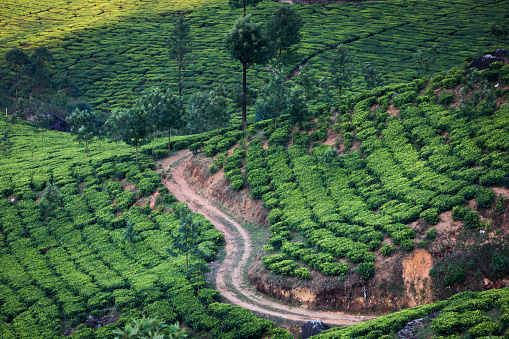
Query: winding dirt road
[[230, 281]]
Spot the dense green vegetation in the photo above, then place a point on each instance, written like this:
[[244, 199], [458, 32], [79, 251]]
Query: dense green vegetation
[[116, 49], [465, 315], [331, 213], [78, 239]]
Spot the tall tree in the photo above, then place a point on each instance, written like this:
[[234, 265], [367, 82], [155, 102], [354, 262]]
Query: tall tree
[[131, 125], [43, 120], [188, 226], [283, 28], [247, 43], [5, 141], [307, 80], [476, 97], [341, 70], [499, 31], [426, 59], [297, 107], [217, 108], [274, 99], [197, 121], [243, 4], [179, 45], [172, 115], [84, 126], [152, 103], [372, 76], [17, 59], [129, 234], [36, 68]]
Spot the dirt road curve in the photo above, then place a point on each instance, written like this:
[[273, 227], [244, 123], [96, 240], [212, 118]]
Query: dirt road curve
[[238, 250]]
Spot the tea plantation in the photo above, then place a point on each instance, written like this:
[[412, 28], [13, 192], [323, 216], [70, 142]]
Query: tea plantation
[[116, 49], [330, 212], [78, 239], [465, 315]]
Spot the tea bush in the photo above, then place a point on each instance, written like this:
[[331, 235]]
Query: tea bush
[[66, 252]]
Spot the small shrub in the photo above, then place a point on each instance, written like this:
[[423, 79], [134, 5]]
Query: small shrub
[[431, 235], [387, 249], [302, 273], [459, 212], [472, 220], [431, 216], [275, 216], [365, 270], [407, 245], [485, 197], [446, 99], [500, 262]]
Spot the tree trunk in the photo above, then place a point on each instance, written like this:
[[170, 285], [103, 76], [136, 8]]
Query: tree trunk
[[244, 100], [187, 257], [169, 140], [180, 80], [277, 112]]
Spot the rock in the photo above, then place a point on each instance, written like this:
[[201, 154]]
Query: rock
[[91, 321], [58, 124], [407, 332], [485, 61], [313, 327]]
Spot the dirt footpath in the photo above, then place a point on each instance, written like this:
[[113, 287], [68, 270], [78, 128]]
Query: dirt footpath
[[230, 281]]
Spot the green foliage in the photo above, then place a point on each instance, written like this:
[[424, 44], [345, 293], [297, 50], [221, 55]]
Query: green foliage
[[387, 249], [283, 28], [83, 125], [365, 270], [69, 255], [431, 216]]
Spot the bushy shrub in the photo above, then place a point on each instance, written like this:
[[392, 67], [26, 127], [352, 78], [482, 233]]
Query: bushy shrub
[[237, 182], [431, 216], [387, 249], [471, 220], [365, 270], [459, 212], [300, 138], [446, 99], [319, 135], [407, 245], [275, 215], [280, 136], [484, 197], [404, 98]]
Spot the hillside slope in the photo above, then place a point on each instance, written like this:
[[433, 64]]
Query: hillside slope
[[116, 49], [364, 202]]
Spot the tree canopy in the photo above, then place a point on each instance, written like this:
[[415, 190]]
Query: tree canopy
[[283, 28], [243, 4], [84, 125], [179, 45], [247, 43], [131, 125]]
